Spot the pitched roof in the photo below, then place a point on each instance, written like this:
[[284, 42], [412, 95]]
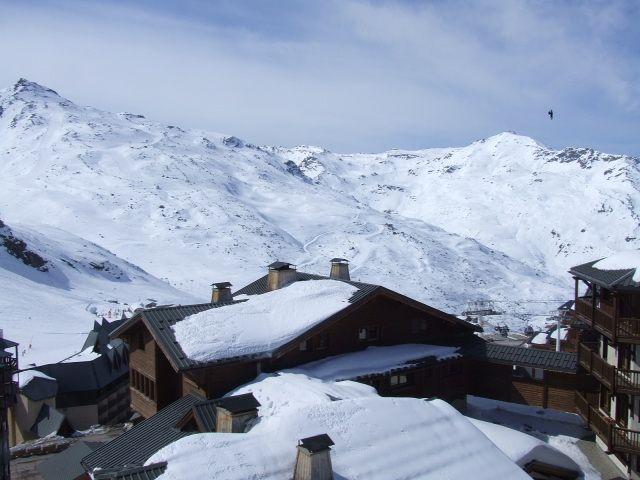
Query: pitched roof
[[150, 472], [92, 374], [66, 464], [205, 415], [521, 356], [135, 446], [160, 320], [4, 343], [610, 279], [49, 420], [40, 388], [238, 403]]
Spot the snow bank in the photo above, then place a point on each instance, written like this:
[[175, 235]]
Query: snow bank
[[28, 375], [627, 260], [375, 437], [373, 360], [262, 323], [523, 448]]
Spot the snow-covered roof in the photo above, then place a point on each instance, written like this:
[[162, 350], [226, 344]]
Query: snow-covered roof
[[263, 322], [375, 437], [620, 270], [628, 260], [523, 448], [374, 360], [540, 339], [26, 376]]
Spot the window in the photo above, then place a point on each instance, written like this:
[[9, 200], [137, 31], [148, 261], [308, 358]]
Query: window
[[143, 384], [141, 340], [368, 333], [303, 346], [399, 380], [455, 369], [323, 341], [419, 325]]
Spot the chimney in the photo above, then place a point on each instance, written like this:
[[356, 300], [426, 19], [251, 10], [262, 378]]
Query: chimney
[[221, 292], [313, 461], [281, 274], [339, 269], [233, 413]]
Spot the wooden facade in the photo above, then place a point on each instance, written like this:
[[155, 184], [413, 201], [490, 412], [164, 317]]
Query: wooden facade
[[384, 319]]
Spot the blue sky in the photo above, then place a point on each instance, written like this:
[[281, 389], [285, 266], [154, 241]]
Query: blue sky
[[349, 75]]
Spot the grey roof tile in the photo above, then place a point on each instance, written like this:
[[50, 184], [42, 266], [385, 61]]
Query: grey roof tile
[[49, 420], [521, 356], [205, 415], [40, 388], [611, 279], [149, 472], [66, 464], [135, 446]]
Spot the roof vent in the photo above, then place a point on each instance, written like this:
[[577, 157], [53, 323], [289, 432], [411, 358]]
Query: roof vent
[[281, 274], [233, 413], [221, 292], [339, 269], [313, 461]]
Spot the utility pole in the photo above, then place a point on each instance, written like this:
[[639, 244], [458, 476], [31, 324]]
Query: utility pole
[[8, 396]]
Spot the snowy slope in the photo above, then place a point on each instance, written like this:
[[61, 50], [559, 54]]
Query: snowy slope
[[498, 219], [53, 284], [550, 209], [194, 207]]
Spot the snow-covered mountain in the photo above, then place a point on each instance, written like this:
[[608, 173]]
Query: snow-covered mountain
[[54, 284], [501, 218]]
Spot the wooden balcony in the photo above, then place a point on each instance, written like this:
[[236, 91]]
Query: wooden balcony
[[617, 329], [615, 379], [616, 438]]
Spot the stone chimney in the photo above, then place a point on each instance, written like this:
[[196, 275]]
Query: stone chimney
[[313, 461], [233, 413], [281, 274], [339, 269], [221, 292]]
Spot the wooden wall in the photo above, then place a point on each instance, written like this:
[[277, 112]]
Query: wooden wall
[[555, 390], [396, 323]]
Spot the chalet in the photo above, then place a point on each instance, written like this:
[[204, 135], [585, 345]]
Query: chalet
[[607, 296], [284, 319]]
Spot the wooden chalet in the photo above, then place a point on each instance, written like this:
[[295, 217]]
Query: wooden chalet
[[375, 316], [610, 307]]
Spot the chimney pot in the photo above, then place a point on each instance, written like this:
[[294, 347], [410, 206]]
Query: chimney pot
[[233, 413], [339, 269], [221, 292], [281, 274], [313, 460]]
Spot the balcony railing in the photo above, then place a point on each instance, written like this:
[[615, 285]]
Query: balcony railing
[[621, 329], [615, 379], [616, 438]]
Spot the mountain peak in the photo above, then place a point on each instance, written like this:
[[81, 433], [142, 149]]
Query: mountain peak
[[27, 85]]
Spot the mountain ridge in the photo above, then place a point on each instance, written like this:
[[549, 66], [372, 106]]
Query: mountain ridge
[[499, 219]]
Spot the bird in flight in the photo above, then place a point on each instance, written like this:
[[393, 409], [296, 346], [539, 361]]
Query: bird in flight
[[550, 113]]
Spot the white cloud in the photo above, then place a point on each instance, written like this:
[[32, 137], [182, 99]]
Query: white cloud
[[352, 75]]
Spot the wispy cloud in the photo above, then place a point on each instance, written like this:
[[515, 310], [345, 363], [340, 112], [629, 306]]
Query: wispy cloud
[[348, 74]]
